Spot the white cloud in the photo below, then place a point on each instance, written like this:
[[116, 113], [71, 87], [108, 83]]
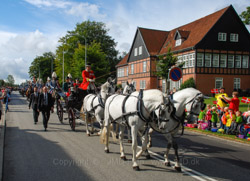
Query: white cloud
[[49, 3], [77, 9], [85, 10], [19, 51]]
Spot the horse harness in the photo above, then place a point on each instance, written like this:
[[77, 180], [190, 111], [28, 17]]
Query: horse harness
[[181, 119], [138, 112], [100, 100]]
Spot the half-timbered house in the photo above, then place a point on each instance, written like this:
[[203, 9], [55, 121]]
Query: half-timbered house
[[215, 49]]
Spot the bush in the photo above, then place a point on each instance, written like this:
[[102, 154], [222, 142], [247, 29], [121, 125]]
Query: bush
[[188, 83], [119, 86]]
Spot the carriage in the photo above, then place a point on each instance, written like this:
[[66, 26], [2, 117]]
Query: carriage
[[70, 104]]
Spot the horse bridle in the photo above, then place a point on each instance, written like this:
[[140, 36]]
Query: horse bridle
[[109, 89], [191, 112]]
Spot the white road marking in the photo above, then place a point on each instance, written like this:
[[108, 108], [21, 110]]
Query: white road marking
[[186, 170]]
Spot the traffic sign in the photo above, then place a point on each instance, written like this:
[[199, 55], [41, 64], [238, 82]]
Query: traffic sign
[[175, 74]]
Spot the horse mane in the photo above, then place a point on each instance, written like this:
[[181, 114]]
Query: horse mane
[[188, 92], [152, 97], [104, 86]]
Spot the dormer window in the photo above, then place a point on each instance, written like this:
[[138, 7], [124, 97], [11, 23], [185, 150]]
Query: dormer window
[[180, 36], [178, 42]]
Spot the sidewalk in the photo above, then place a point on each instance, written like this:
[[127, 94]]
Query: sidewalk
[[2, 138]]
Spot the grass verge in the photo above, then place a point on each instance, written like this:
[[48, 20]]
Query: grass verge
[[219, 135]]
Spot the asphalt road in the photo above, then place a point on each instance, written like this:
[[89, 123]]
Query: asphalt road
[[61, 154]]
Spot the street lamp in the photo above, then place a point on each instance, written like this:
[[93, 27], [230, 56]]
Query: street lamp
[[51, 67], [85, 51]]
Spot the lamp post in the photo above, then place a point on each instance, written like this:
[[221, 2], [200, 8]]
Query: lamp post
[[85, 51], [51, 67]]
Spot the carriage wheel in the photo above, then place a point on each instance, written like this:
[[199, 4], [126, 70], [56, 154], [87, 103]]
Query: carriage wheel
[[59, 109], [71, 116]]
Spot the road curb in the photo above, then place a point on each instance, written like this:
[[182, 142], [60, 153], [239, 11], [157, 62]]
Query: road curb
[[220, 138], [2, 138]]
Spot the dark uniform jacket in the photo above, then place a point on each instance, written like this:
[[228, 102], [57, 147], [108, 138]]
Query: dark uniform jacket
[[42, 103], [34, 100]]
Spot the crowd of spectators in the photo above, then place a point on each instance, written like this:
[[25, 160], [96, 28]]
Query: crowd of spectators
[[224, 116]]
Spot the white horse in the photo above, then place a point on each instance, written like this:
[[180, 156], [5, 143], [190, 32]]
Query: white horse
[[138, 112], [128, 89], [93, 105], [188, 103]]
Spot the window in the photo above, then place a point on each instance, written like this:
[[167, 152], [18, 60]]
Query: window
[[245, 61], [185, 59], [142, 84], [191, 60], [223, 60], [134, 83], [124, 84], [178, 42], [144, 66], [200, 59], [179, 60], [230, 61], [234, 37], [120, 72], [218, 82], [236, 83], [132, 69], [135, 52], [237, 61], [215, 60], [163, 86], [208, 60], [222, 36], [140, 50], [127, 71]]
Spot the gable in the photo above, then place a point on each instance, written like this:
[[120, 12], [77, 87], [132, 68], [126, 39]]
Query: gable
[[228, 23], [194, 32], [138, 50]]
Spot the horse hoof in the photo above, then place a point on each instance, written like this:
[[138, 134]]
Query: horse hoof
[[88, 134], [178, 169], [148, 156], [92, 132], [129, 141], [106, 151], [136, 168], [117, 136], [168, 164], [123, 158]]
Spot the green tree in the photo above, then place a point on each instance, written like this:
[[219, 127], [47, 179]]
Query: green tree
[[245, 16], [96, 58], [2, 82], [10, 80], [95, 33], [188, 83], [165, 63], [42, 64]]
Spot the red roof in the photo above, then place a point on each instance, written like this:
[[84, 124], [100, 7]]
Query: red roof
[[153, 39], [123, 61], [194, 32]]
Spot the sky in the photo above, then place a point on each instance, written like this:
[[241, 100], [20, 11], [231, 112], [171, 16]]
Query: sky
[[29, 28]]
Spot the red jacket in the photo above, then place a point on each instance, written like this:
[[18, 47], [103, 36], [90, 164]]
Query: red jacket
[[86, 75], [234, 104]]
